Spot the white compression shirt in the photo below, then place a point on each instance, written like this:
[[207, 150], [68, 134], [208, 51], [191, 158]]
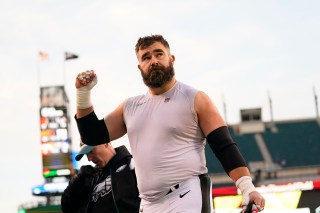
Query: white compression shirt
[[165, 138]]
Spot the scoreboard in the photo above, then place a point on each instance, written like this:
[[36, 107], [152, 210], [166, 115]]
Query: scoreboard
[[54, 132]]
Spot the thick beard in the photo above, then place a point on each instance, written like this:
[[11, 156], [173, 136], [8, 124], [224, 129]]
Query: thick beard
[[158, 76]]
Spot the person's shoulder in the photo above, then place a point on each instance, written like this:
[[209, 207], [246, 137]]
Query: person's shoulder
[[122, 150], [186, 89], [122, 155], [134, 100], [185, 86]]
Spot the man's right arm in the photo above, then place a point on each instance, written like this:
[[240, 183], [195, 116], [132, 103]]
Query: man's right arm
[[84, 112], [92, 130]]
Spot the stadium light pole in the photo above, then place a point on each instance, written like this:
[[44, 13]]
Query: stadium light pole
[[224, 109], [270, 105], [316, 102]]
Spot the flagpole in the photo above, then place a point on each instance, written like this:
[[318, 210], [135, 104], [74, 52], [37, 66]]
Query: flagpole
[[42, 56], [64, 71], [38, 72], [38, 77], [68, 56]]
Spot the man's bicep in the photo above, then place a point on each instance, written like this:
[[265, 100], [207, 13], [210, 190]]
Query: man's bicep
[[208, 114], [115, 123]]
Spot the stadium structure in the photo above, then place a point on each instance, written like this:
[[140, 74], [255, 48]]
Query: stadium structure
[[284, 160], [283, 157], [58, 163]]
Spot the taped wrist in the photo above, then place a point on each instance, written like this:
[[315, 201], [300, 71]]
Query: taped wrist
[[245, 185], [83, 95], [92, 130], [225, 149]]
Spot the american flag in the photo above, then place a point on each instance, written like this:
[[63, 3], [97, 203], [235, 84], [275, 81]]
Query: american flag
[[43, 56]]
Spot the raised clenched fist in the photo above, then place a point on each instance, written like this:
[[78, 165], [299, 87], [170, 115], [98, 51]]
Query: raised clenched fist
[[85, 78]]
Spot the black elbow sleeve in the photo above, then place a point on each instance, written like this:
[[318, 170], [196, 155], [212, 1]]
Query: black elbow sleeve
[[92, 130], [225, 149]]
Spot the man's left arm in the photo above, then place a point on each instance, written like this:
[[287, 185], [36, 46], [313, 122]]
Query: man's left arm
[[219, 139]]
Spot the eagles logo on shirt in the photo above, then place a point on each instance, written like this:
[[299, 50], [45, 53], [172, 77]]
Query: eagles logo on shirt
[[101, 189]]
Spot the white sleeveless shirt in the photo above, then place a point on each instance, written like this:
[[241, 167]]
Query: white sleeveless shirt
[[165, 138]]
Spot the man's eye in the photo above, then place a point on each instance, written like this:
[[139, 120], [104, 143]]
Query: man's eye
[[145, 58]]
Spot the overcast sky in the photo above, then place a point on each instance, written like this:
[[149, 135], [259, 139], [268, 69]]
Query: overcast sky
[[233, 50]]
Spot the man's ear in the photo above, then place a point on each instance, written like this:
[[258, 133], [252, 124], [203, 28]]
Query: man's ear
[[173, 58], [139, 66]]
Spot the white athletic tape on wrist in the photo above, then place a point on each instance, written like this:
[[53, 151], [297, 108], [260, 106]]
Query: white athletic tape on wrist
[[83, 95], [245, 185]]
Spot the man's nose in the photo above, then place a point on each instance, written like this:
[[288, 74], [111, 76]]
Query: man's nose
[[154, 61], [89, 157]]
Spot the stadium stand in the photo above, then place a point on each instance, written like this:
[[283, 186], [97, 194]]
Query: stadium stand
[[283, 149], [297, 143]]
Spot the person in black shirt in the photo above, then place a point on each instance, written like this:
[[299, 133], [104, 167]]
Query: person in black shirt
[[110, 186]]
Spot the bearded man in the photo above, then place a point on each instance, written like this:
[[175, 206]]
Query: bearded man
[[167, 129]]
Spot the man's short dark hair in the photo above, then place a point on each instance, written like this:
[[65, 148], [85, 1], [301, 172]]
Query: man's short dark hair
[[146, 41]]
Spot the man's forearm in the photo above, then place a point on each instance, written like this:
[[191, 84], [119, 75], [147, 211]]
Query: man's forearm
[[92, 130], [237, 173], [84, 112], [243, 181]]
